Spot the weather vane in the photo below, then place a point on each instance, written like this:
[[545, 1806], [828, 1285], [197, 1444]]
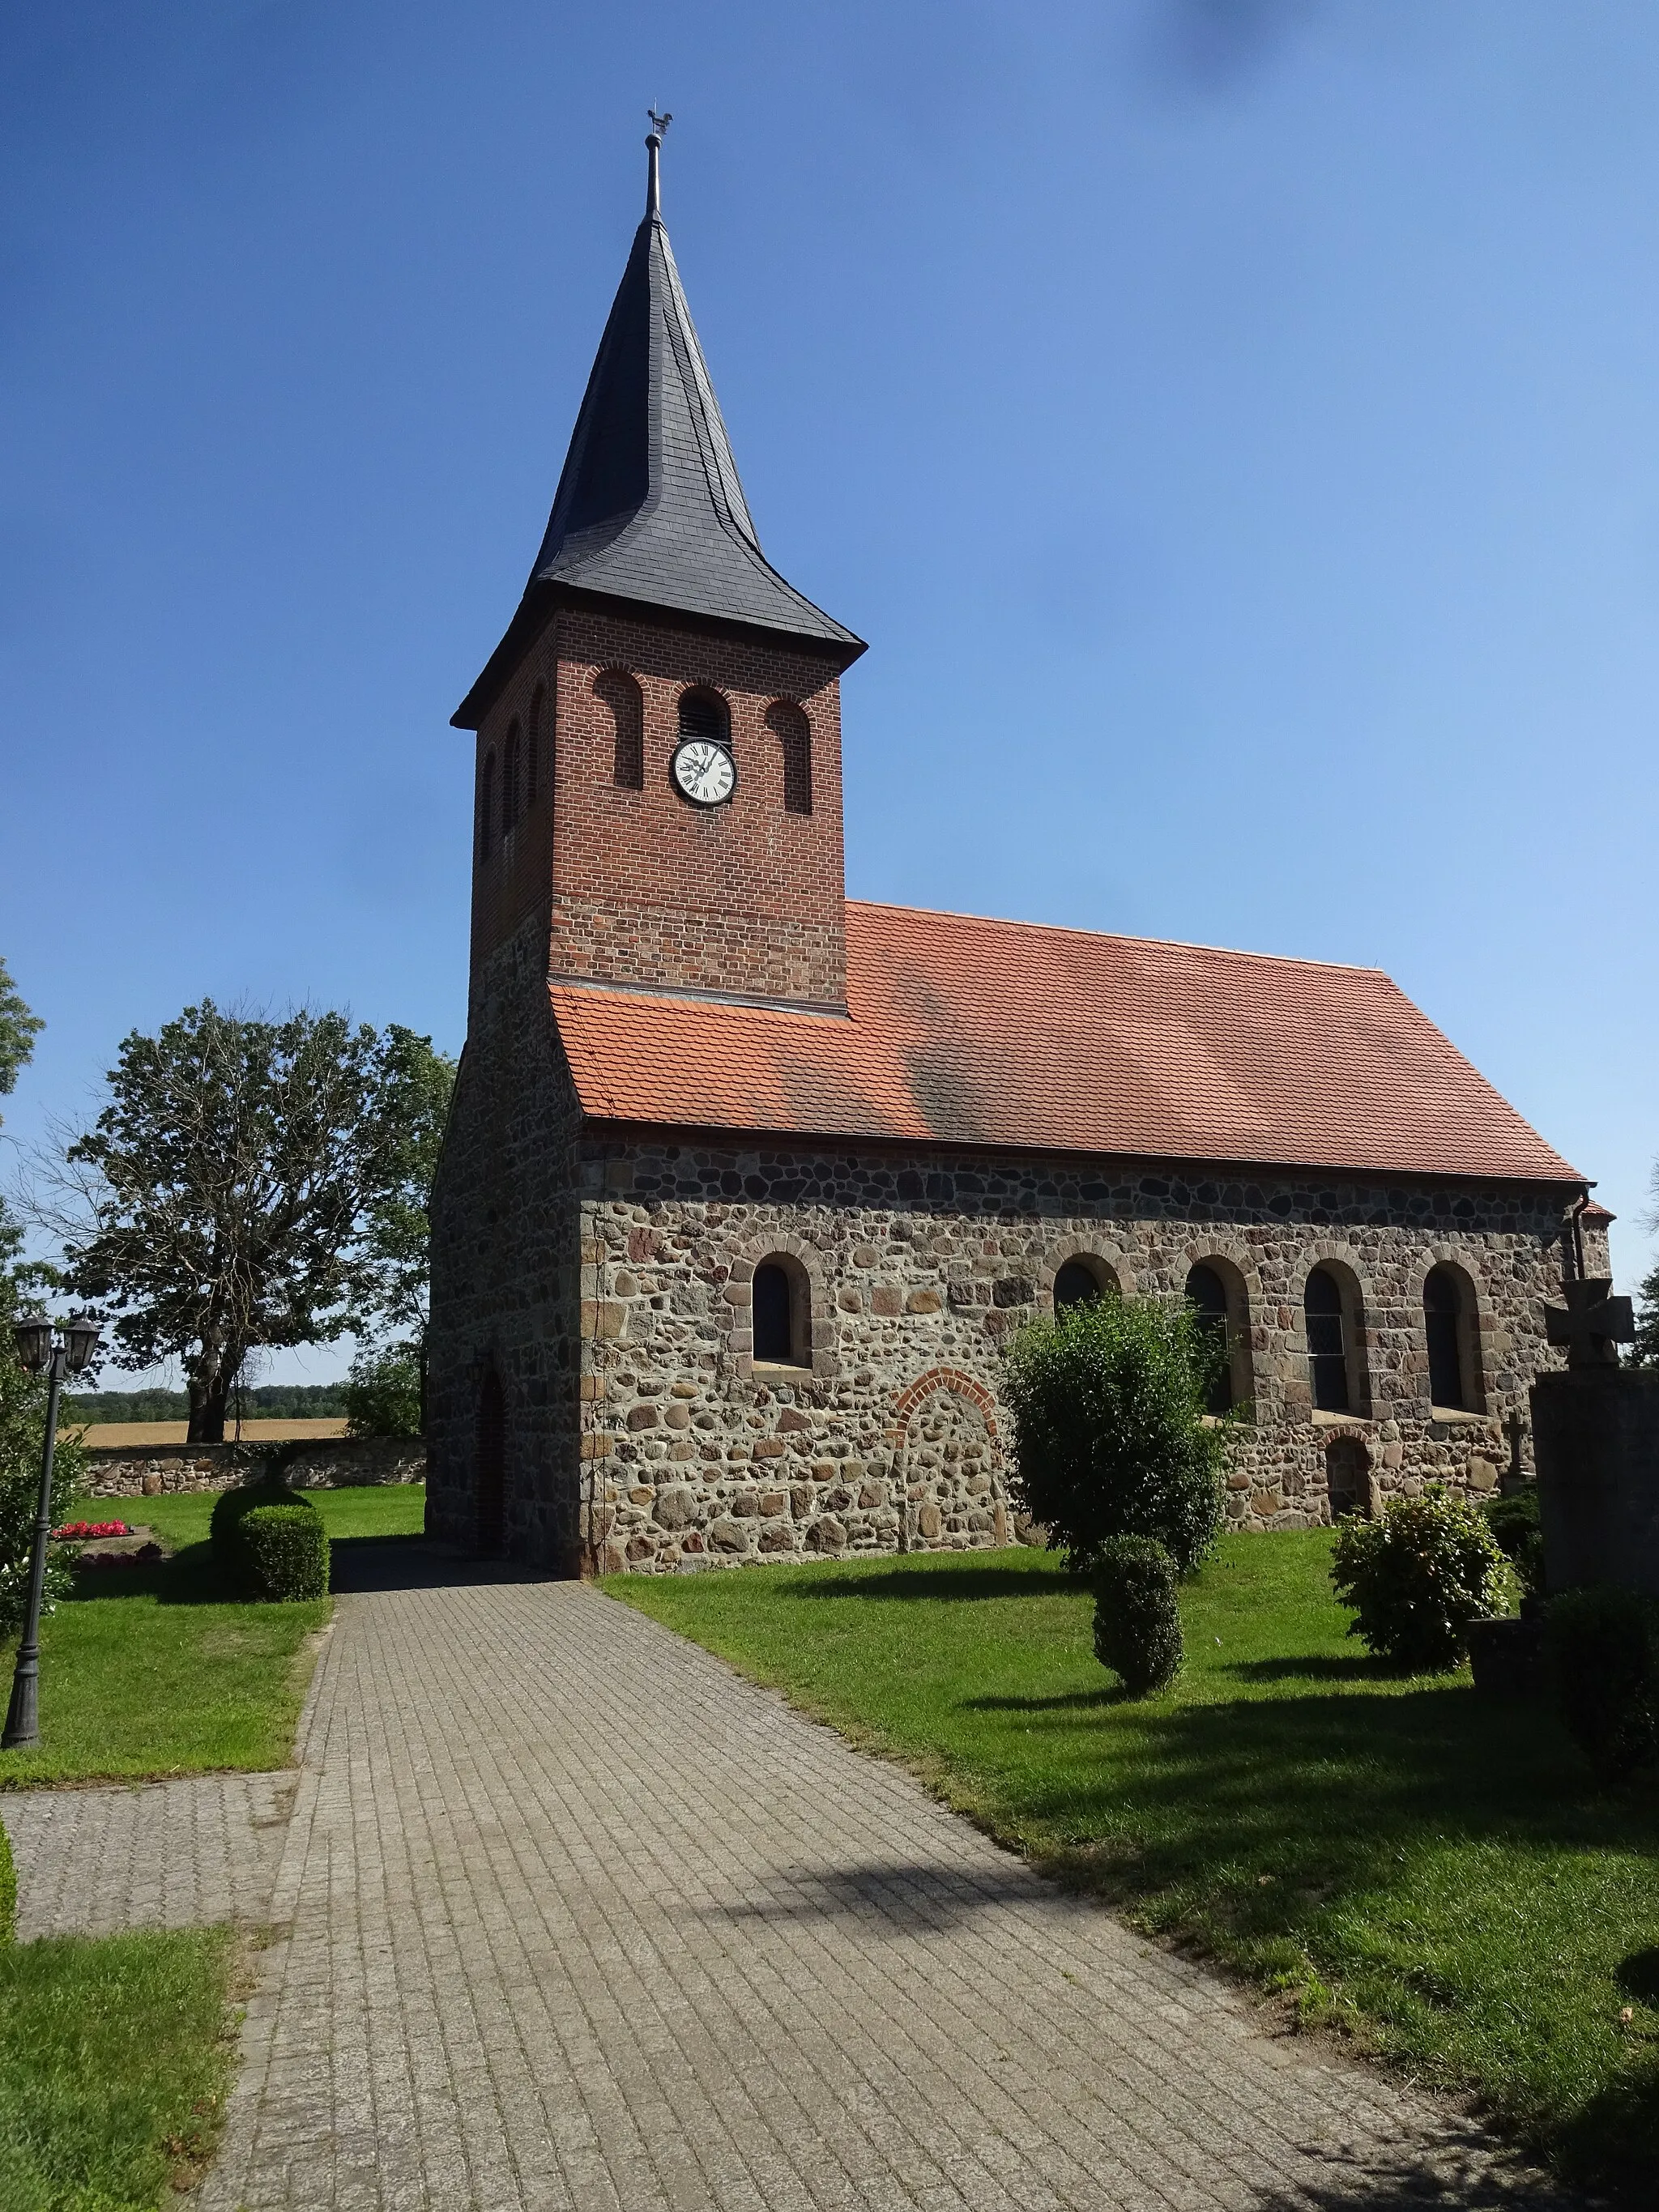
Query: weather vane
[[659, 122]]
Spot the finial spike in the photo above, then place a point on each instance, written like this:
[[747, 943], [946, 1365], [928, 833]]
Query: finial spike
[[653, 149]]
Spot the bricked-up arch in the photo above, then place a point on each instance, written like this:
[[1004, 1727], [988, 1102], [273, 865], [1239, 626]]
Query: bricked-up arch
[[1452, 1326], [534, 744], [487, 803], [616, 689], [704, 713], [780, 1300], [512, 779], [948, 1464], [789, 726], [490, 1490]]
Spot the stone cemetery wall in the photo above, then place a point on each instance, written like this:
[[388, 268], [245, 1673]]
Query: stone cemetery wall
[[329, 1463]]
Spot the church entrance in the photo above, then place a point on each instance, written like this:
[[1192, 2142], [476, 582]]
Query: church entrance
[[490, 1491]]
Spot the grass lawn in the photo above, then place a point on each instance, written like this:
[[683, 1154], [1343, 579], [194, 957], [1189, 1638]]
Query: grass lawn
[[1434, 1872], [150, 1670], [115, 2060]]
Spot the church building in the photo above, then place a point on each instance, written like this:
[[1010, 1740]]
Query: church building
[[748, 1186]]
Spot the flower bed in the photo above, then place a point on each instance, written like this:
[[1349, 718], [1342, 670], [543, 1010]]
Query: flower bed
[[77, 1532]]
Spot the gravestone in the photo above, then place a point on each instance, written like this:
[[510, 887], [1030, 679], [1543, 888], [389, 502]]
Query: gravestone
[[1595, 1440]]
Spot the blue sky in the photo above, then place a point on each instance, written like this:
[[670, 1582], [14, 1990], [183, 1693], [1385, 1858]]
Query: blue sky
[[1232, 422]]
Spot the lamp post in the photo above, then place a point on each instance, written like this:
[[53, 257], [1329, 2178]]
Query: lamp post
[[38, 1346]]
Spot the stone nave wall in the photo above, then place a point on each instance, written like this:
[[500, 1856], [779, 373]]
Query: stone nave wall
[[920, 1272]]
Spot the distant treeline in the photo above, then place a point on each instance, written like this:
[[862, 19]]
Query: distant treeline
[[265, 1401]]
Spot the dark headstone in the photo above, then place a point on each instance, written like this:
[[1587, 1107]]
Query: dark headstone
[[1596, 1438]]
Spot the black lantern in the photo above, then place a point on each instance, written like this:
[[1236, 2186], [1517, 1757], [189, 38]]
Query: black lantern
[[32, 1335], [80, 1342]]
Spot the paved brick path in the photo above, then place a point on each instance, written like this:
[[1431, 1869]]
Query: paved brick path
[[579, 1918]]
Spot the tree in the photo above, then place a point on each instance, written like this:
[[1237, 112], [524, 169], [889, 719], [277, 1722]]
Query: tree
[[19, 1028], [1644, 1353], [383, 1392], [397, 1229], [1110, 1435], [223, 1201]]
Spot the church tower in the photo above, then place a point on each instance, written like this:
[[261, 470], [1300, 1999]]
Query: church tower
[[658, 732]]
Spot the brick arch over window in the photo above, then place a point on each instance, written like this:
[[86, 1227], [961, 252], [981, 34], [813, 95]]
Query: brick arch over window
[[487, 803], [616, 689], [1241, 1292], [948, 1465], [804, 1265], [789, 726], [704, 713], [1106, 1262], [1454, 1380], [1333, 1334]]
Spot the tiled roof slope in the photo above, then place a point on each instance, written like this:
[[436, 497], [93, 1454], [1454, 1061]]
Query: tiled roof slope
[[965, 1032]]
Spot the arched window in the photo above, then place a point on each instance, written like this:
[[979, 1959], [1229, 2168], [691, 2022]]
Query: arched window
[[1328, 1345], [1207, 1295], [1449, 1321], [703, 714], [1348, 1477], [782, 1313], [487, 804], [512, 779], [533, 748], [789, 726], [1079, 1283], [621, 694]]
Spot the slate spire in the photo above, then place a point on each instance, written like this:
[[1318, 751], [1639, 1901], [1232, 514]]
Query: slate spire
[[650, 506]]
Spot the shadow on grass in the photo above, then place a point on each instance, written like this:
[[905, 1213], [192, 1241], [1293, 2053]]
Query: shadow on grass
[[1067, 1700], [947, 1583], [187, 1578], [1314, 1667]]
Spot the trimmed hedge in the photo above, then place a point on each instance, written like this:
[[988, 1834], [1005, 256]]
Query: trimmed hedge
[[1418, 1578], [1137, 1619], [227, 1530], [8, 1888], [285, 1551], [1601, 1648]]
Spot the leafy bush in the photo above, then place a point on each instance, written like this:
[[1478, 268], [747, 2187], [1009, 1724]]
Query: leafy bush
[[8, 1888], [383, 1392], [1137, 1621], [1418, 1577], [1601, 1648], [231, 1510], [285, 1549], [1514, 1521], [1109, 1433]]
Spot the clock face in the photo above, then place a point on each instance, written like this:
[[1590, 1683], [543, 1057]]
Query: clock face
[[703, 772]]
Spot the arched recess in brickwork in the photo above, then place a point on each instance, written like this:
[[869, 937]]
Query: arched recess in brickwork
[[1105, 1262], [1335, 1328], [617, 690], [813, 1331], [1450, 1302], [1241, 1290], [537, 746], [487, 803], [788, 725], [512, 778], [948, 1467]]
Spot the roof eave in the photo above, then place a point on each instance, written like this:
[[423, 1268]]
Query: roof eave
[[544, 597]]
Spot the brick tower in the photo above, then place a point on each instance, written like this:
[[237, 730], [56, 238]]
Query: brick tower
[[652, 616]]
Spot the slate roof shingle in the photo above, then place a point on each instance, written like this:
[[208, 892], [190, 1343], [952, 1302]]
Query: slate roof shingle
[[964, 1031]]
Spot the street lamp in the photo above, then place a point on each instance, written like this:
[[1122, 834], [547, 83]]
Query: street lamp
[[37, 1348]]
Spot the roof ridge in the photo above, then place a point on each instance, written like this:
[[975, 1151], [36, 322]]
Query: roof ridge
[[1127, 936]]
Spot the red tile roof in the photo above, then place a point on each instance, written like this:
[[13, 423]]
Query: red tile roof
[[964, 1031]]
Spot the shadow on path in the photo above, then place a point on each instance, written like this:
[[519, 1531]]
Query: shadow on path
[[414, 1563], [1467, 2172]]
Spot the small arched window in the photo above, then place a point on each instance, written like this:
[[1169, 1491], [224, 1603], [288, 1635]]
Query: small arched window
[[512, 779], [782, 1313], [703, 714], [1079, 1283], [788, 724], [532, 746], [1208, 1296], [1447, 1319], [621, 694], [487, 804], [1328, 1346]]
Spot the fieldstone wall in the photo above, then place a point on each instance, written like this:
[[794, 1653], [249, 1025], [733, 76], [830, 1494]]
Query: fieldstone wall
[[329, 1463], [921, 1269]]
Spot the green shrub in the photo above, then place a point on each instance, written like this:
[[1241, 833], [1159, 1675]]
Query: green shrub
[[383, 1392], [1418, 1577], [1601, 1651], [1137, 1621], [1514, 1521], [285, 1548], [1110, 1437], [230, 1511], [8, 1888]]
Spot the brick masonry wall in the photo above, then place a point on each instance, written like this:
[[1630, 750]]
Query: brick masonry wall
[[921, 1271], [636, 885], [330, 1463]]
